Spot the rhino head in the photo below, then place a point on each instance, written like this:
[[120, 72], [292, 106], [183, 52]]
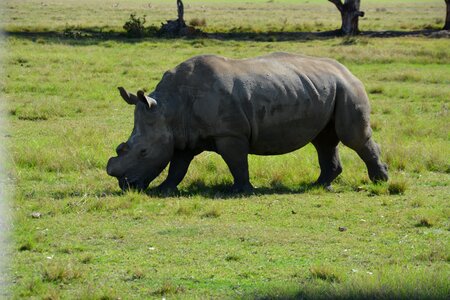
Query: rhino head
[[148, 150]]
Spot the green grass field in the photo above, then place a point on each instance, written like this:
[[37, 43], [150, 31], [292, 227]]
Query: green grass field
[[91, 241]]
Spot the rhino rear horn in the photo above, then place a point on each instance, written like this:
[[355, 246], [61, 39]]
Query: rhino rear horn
[[146, 99], [129, 98]]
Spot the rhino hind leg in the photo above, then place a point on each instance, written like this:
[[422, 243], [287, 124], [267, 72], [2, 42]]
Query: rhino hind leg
[[370, 154], [234, 152], [179, 165], [326, 144], [361, 141], [353, 130]]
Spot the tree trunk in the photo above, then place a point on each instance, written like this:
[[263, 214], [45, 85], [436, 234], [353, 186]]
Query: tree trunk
[[350, 14], [447, 17], [180, 20], [178, 27]]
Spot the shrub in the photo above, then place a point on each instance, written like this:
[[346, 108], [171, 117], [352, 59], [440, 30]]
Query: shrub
[[135, 26]]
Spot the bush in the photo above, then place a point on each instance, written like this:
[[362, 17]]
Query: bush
[[135, 26]]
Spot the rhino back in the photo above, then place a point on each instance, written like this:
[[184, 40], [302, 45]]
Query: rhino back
[[280, 102]]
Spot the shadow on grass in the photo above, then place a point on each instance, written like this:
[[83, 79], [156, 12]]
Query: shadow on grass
[[350, 296], [224, 191], [58, 195], [92, 36], [416, 289]]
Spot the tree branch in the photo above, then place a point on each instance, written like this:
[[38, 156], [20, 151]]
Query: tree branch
[[338, 3], [359, 14]]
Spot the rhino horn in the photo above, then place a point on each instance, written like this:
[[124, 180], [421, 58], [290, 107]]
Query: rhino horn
[[146, 99], [129, 98]]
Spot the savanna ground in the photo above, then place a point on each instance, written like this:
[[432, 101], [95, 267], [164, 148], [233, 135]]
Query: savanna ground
[[62, 63]]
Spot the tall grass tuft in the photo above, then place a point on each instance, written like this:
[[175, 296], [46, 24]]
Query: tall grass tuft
[[212, 213], [60, 272], [397, 187], [168, 288], [325, 273], [425, 222], [378, 189]]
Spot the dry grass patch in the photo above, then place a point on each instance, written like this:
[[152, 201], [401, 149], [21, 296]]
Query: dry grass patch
[[135, 274], [59, 272], [416, 203], [168, 288], [198, 22]]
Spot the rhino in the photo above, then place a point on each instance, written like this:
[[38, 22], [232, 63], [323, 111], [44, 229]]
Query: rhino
[[268, 105]]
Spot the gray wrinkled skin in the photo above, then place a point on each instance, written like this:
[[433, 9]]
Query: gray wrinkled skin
[[267, 105]]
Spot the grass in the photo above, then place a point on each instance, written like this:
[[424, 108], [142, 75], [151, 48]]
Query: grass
[[94, 242], [280, 15]]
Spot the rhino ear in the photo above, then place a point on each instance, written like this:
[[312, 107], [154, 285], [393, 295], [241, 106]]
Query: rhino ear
[[146, 99], [129, 98]]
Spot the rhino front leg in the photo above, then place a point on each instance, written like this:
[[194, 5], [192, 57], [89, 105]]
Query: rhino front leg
[[234, 152], [179, 165]]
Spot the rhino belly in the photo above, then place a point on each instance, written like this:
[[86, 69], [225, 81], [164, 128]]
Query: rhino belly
[[288, 130], [282, 139]]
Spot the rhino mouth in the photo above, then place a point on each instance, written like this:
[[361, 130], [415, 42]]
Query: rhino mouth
[[136, 183], [134, 178], [126, 184]]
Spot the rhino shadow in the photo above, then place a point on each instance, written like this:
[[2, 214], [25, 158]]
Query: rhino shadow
[[59, 195], [224, 191]]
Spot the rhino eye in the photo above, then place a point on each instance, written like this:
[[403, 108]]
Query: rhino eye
[[143, 152], [122, 148]]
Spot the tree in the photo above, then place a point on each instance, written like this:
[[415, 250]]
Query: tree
[[447, 17], [175, 27], [350, 14]]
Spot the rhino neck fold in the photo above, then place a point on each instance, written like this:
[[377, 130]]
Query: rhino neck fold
[[176, 115]]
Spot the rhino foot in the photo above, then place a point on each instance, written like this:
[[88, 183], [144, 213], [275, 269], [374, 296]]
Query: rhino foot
[[167, 190], [378, 172], [243, 189], [326, 186]]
